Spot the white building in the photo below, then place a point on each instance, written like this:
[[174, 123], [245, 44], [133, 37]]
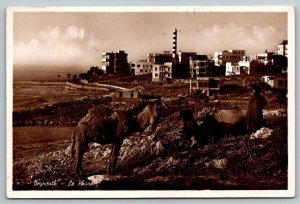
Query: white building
[[233, 56], [161, 72], [232, 69], [265, 58], [141, 67], [242, 67], [282, 48]]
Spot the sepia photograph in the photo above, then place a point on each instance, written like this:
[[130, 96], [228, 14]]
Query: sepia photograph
[[145, 102]]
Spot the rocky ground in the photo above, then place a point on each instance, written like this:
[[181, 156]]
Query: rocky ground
[[163, 160]]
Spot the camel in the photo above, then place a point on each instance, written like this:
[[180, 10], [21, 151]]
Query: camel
[[103, 125]]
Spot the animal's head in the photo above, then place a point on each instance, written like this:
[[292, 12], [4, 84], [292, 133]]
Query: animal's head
[[186, 115], [158, 110], [150, 115], [207, 121], [137, 117]]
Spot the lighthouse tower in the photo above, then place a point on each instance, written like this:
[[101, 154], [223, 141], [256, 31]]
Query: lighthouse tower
[[174, 53]]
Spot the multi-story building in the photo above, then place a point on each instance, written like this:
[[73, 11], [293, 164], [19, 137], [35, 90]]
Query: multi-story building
[[282, 48], [115, 62], [140, 67], [233, 56], [159, 58], [208, 85], [184, 57], [200, 66], [161, 72]]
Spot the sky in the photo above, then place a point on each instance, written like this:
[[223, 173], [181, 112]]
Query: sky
[[78, 38]]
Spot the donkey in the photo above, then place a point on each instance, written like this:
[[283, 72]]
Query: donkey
[[214, 127], [105, 126]]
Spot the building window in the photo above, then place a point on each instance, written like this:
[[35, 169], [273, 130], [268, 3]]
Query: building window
[[138, 65], [156, 69], [120, 94], [131, 95], [280, 83], [156, 75]]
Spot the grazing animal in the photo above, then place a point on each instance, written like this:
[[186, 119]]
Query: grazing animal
[[105, 126], [213, 127], [230, 122], [222, 124]]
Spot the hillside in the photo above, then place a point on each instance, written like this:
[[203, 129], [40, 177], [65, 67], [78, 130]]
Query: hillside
[[162, 160]]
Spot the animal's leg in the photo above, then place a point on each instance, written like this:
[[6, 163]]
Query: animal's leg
[[80, 149], [153, 124], [211, 137], [113, 158]]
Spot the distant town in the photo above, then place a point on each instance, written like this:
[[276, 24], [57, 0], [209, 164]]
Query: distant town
[[207, 74]]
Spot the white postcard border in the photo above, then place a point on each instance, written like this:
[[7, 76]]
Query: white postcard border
[[290, 192]]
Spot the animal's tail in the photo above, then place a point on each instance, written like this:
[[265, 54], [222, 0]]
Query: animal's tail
[[73, 140]]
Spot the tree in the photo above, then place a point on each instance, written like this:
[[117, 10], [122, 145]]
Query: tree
[[75, 77], [84, 76], [68, 76], [198, 97]]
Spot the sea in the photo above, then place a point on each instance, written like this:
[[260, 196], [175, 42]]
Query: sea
[[38, 88]]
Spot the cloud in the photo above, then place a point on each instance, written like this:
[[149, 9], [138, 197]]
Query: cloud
[[253, 39], [73, 32], [57, 47]]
